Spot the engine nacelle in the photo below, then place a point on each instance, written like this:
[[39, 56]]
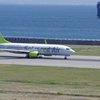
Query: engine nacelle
[[33, 54]]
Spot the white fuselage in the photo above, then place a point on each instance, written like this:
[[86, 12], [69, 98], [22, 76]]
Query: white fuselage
[[42, 49]]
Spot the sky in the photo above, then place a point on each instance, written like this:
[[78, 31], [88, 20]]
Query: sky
[[50, 2]]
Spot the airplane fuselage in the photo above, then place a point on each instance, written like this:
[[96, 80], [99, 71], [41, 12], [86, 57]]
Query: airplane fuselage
[[42, 49]]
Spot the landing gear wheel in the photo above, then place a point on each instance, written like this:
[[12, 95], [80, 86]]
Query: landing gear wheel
[[65, 57], [27, 56]]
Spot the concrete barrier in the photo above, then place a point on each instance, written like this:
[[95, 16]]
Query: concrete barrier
[[53, 41]]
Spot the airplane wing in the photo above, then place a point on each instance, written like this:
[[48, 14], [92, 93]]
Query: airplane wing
[[29, 53], [16, 51]]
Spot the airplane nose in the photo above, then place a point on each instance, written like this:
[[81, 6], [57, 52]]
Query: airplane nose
[[72, 51]]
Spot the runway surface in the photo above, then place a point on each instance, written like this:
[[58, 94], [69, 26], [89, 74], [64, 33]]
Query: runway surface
[[72, 61]]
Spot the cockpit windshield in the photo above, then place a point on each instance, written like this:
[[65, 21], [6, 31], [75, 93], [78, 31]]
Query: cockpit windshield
[[67, 48]]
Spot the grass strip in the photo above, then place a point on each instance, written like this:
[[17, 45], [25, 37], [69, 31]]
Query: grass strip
[[49, 75], [50, 80], [52, 83], [89, 50], [48, 93]]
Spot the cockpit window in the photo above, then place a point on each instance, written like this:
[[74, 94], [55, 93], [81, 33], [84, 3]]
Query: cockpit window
[[67, 48]]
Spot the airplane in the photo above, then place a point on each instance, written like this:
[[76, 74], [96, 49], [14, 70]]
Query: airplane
[[35, 50]]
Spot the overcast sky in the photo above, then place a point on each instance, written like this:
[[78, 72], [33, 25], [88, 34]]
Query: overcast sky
[[50, 2]]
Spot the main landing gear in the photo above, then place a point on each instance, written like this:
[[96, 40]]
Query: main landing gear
[[27, 55], [65, 57]]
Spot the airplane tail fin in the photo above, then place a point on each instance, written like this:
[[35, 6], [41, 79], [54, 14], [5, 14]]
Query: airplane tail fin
[[45, 42], [2, 40]]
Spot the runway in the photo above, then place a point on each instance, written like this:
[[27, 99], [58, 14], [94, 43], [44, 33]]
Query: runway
[[72, 61]]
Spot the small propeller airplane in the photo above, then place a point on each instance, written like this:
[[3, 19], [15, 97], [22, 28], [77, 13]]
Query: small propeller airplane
[[35, 50]]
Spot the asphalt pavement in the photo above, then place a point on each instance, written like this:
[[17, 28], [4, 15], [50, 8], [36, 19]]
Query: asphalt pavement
[[59, 61]]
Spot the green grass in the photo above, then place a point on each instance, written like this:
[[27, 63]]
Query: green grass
[[86, 50], [2, 51], [50, 80], [52, 75]]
